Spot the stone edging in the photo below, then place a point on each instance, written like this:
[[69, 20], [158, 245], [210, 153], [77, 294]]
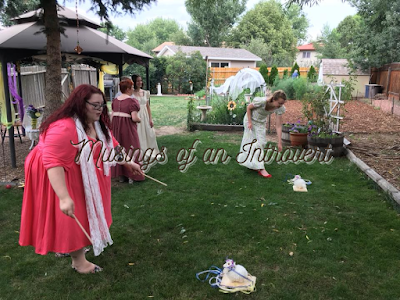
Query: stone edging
[[378, 179]]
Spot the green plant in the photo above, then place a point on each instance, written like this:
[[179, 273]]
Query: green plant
[[300, 86], [312, 75], [264, 72], [295, 67], [273, 75], [190, 118], [299, 128], [285, 74], [200, 94], [286, 85]]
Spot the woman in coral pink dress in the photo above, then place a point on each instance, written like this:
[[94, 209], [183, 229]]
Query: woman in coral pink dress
[[63, 181]]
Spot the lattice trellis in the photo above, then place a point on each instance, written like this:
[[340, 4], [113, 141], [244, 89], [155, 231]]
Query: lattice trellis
[[334, 106]]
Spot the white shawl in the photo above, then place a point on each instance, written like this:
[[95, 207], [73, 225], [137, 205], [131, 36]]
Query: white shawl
[[99, 232]]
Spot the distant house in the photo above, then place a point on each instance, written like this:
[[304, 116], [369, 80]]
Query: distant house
[[157, 49], [216, 57], [337, 70], [307, 56]]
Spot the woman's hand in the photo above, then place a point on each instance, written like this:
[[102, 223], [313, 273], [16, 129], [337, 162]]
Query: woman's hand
[[67, 206], [151, 124], [134, 168], [279, 146], [249, 125]]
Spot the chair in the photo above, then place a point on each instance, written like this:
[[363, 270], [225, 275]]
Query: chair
[[3, 130]]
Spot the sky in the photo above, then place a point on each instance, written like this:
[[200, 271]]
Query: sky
[[330, 12]]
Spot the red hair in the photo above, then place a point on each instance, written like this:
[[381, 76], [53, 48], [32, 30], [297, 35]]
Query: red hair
[[75, 105], [124, 85]]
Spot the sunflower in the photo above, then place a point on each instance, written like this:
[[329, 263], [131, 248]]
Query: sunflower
[[231, 105]]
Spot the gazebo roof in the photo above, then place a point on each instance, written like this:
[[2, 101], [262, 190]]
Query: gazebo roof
[[26, 39], [64, 13]]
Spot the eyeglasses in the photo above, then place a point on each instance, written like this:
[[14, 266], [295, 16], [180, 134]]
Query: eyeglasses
[[97, 106]]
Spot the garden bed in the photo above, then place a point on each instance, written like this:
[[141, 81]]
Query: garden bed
[[216, 127]]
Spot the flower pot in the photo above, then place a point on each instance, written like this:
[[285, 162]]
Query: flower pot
[[285, 136], [298, 139], [323, 143], [33, 123]]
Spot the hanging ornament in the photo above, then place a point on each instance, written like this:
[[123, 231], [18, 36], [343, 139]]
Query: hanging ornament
[[78, 49]]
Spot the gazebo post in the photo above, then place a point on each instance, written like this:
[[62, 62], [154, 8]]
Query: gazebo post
[[120, 70], [20, 93], [8, 109], [147, 78]]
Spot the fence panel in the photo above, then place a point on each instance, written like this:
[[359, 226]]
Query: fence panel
[[221, 74]]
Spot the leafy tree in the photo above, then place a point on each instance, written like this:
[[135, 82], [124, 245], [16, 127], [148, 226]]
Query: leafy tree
[[16, 8], [329, 44], [295, 67], [378, 41], [114, 31], [304, 2], [349, 28], [273, 75], [212, 20], [264, 72], [261, 49], [157, 73], [312, 74], [181, 70], [52, 30], [146, 37], [299, 22], [180, 38], [267, 21]]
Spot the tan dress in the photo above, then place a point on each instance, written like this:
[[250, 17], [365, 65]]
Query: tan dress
[[147, 135], [252, 155]]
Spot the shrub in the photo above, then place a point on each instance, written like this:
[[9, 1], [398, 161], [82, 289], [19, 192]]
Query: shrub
[[285, 74], [312, 74], [273, 75], [295, 67], [300, 86], [264, 72], [286, 85], [200, 94]]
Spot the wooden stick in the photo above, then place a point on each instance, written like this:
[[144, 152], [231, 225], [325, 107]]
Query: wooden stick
[[155, 180], [83, 229]]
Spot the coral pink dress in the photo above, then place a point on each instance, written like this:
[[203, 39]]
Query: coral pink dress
[[43, 224], [125, 132]]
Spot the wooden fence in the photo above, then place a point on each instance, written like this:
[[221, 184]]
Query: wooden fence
[[33, 82], [388, 76], [221, 74]]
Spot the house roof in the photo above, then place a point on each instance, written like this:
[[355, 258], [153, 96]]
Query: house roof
[[307, 47], [214, 53], [338, 67], [160, 47]]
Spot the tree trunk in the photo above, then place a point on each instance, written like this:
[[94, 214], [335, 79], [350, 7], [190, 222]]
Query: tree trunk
[[53, 89]]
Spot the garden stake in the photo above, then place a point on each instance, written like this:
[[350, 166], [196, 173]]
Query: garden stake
[[83, 229], [155, 180]]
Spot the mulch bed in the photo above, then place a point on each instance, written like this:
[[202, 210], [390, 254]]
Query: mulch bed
[[374, 136]]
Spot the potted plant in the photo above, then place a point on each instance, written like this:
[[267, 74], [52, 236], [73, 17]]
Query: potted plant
[[315, 106], [298, 134], [286, 134]]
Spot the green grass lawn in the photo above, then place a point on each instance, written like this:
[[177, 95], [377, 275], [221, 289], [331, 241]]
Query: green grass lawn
[[167, 110], [344, 234]]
